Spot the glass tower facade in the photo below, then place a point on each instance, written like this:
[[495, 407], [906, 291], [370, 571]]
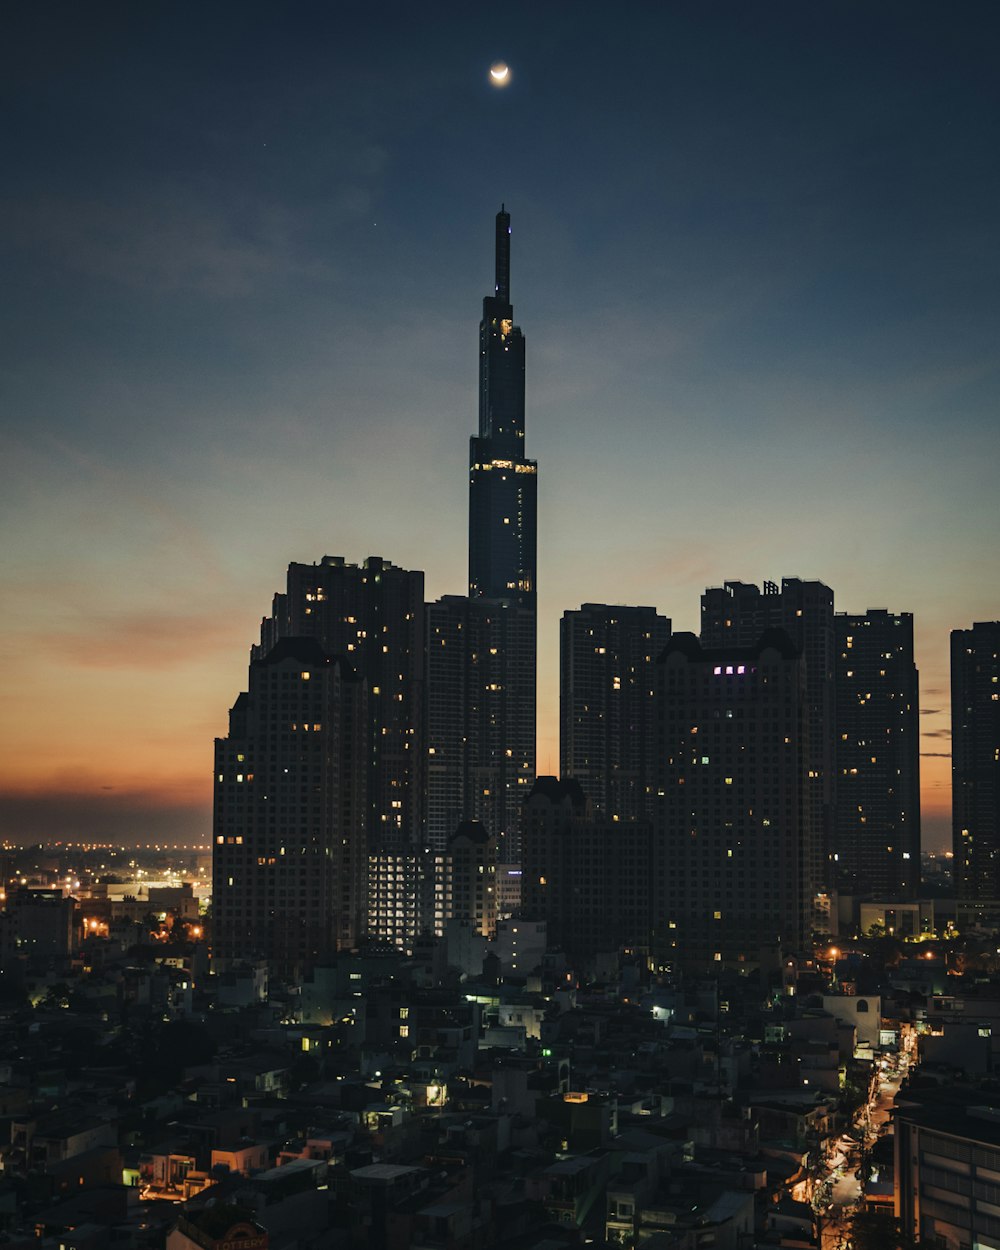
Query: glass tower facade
[[502, 483], [481, 648]]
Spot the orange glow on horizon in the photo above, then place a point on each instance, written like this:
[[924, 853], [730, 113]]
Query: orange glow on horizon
[[135, 732]]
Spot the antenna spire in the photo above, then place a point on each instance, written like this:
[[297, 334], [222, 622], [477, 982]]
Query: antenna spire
[[503, 255]]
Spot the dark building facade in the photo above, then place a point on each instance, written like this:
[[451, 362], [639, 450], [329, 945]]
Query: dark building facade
[[469, 878], [876, 827], [735, 865], [945, 1161], [450, 682], [289, 852], [607, 657], [39, 929], [736, 614], [481, 716], [481, 660], [975, 747], [589, 878], [373, 615]]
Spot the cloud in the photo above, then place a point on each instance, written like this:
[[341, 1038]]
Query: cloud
[[126, 819], [931, 711], [142, 640], [935, 755], [166, 239], [935, 733]]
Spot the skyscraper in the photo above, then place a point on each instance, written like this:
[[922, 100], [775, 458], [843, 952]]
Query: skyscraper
[[481, 662], [481, 716], [736, 614], [975, 747], [451, 677], [735, 867], [876, 826], [373, 616], [502, 483], [288, 863], [607, 657]]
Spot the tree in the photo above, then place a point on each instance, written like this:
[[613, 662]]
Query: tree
[[55, 996], [853, 1097], [877, 1230]]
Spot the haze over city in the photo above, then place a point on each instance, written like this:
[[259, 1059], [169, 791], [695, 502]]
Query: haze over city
[[756, 268]]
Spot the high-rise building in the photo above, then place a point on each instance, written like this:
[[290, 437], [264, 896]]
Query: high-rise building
[[373, 616], [289, 853], [975, 751], [481, 716], [450, 679], [876, 825], [587, 877], [736, 614], [468, 878], [735, 868], [481, 653], [607, 659], [502, 483]]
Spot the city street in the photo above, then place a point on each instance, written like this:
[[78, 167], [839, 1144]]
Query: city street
[[846, 1186]]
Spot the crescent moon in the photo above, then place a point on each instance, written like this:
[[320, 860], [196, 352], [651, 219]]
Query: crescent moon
[[499, 72]]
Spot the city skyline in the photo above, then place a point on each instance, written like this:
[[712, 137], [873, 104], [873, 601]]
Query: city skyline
[[243, 277]]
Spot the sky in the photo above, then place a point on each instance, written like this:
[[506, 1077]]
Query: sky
[[755, 256]]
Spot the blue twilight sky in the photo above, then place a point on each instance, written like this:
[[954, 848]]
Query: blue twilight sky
[[244, 246]]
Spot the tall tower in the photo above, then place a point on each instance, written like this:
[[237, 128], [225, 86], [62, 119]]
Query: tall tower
[[975, 748], [502, 483], [481, 649], [876, 827]]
